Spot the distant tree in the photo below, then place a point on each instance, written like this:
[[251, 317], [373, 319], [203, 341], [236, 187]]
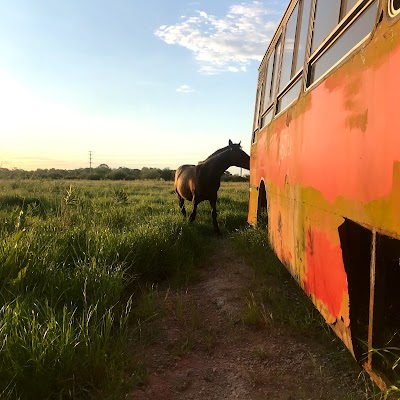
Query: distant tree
[[150, 173], [167, 174], [5, 173], [117, 174], [104, 166], [102, 170], [228, 177], [129, 174], [135, 173], [94, 176]]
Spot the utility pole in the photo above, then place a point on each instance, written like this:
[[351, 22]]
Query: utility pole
[[90, 161]]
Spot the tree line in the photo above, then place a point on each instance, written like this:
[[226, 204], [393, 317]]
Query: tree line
[[103, 172]]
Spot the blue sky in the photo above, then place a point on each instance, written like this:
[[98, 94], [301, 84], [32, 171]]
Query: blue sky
[[139, 83]]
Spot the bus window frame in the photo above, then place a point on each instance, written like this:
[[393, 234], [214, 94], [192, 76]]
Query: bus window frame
[[268, 78], [287, 89], [257, 110], [314, 20], [265, 110], [270, 109], [295, 75], [262, 81], [346, 20], [300, 74], [343, 13], [340, 29], [276, 73], [276, 69], [298, 3], [259, 103]]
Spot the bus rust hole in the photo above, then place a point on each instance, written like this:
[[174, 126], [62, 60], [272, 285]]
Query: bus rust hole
[[373, 295]]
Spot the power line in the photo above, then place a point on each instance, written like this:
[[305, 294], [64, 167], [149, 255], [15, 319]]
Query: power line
[[90, 160]]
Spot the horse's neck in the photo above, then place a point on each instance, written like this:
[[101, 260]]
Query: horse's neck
[[214, 154], [217, 152], [220, 163]]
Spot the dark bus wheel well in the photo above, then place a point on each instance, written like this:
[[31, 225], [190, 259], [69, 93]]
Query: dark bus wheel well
[[262, 207]]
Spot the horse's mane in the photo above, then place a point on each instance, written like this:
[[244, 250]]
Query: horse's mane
[[219, 151]]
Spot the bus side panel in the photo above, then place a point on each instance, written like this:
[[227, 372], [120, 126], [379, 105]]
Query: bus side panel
[[306, 241], [334, 155]]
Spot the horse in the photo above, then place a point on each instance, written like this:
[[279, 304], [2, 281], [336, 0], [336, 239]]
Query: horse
[[200, 182]]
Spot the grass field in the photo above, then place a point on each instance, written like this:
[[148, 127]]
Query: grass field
[[76, 259], [80, 264]]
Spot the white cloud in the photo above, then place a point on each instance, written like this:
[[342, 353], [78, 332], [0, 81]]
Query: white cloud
[[224, 44], [184, 89]]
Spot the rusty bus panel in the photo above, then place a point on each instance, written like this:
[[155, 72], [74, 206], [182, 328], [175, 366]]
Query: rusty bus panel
[[327, 169]]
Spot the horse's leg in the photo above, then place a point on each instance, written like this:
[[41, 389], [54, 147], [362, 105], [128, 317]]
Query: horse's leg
[[192, 216], [213, 204], [181, 201]]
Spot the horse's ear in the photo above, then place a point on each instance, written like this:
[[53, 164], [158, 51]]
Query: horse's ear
[[230, 142]]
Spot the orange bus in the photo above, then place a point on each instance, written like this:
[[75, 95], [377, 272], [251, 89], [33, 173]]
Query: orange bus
[[325, 166]]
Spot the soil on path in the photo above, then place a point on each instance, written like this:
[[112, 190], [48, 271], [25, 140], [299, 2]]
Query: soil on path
[[203, 349]]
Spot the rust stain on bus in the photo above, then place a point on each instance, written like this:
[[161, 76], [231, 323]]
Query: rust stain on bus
[[359, 121]]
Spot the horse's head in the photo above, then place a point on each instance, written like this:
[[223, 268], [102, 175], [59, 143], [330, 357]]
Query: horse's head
[[232, 145], [239, 157]]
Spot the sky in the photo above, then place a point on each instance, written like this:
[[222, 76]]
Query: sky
[[152, 83]]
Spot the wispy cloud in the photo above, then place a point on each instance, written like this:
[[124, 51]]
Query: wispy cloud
[[229, 43], [184, 89]]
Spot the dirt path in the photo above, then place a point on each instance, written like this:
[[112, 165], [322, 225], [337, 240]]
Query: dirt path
[[203, 350]]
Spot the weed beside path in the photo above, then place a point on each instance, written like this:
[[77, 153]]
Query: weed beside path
[[223, 338]]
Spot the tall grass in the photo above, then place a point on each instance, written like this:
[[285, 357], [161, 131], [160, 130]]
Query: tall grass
[[284, 301], [74, 259]]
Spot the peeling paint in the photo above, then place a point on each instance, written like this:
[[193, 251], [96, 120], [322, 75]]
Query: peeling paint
[[322, 279]]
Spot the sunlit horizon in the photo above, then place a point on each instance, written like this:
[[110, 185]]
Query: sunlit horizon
[[135, 88]]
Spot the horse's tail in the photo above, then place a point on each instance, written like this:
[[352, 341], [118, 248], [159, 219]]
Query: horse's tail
[[178, 173], [182, 174]]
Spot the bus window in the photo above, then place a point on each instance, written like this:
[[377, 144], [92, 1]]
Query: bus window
[[326, 18], [301, 49], [276, 67], [268, 80], [349, 5], [267, 117], [271, 77], [293, 54], [291, 95], [288, 49], [257, 112], [346, 42]]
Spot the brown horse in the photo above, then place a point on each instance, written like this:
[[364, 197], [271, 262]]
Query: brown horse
[[197, 183]]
